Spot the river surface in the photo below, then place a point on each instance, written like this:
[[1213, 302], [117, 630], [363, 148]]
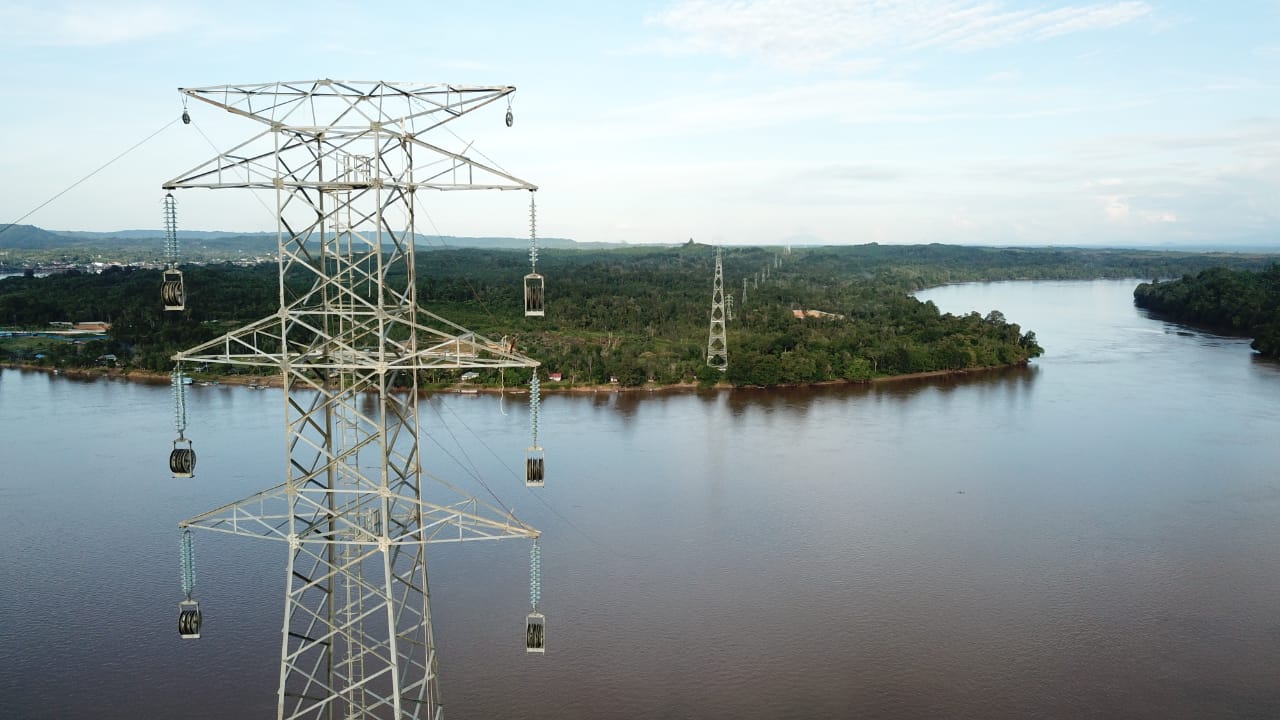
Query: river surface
[[1094, 536]]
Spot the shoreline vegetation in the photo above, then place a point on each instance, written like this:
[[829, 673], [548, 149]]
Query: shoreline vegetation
[[148, 377], [1237, 302], [615, 319]]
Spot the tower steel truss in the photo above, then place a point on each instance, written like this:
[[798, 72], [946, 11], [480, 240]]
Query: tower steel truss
[[344, 161], [717, 344]]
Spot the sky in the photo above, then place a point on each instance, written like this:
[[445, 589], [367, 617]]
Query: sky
[[994, 122]]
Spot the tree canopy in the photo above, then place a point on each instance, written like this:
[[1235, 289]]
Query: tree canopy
[[1235, 301], [637, 314]]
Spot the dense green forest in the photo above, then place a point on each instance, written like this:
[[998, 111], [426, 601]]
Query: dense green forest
[[1237, 301], [635, 314]]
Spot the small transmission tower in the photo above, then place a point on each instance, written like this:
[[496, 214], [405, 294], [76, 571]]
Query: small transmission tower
[[717, 345], [354, 513]]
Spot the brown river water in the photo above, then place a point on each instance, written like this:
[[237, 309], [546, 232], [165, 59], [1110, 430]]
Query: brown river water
[[1093, 536]]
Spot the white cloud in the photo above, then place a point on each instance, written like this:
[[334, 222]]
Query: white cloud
[[1115, 207], [816, 32], [1153, 218], [843, 100]]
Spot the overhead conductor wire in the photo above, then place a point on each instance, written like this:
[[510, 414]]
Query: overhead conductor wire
[[97, 170], [471, 466]]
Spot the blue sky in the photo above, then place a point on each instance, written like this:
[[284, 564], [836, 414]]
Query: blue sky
[[729, 121]]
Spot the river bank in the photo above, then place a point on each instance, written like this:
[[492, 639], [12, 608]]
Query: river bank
[[275, 381]]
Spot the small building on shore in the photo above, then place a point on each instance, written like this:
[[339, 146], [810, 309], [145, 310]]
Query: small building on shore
[[802, 314]]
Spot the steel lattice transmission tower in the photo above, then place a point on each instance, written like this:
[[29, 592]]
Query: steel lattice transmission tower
[[344, 161], [717, 345]]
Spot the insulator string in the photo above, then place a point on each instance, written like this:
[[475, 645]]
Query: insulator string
[[179, 401], [533, 234], [170, 230], [188, 564], [535, 401], [535, 575]]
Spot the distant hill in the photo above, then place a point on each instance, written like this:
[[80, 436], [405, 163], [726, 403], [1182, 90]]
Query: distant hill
[[30, 237], [154, 234]]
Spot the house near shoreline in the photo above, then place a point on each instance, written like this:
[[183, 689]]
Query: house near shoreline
[[802, 314]]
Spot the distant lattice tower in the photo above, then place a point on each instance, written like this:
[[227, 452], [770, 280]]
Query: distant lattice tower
[[717, 344], [355, 511]]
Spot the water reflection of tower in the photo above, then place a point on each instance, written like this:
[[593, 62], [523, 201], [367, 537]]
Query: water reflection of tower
[[717, 442]]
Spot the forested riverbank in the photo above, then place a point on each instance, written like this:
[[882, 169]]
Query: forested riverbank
[[1240, 302], [624, 317]]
